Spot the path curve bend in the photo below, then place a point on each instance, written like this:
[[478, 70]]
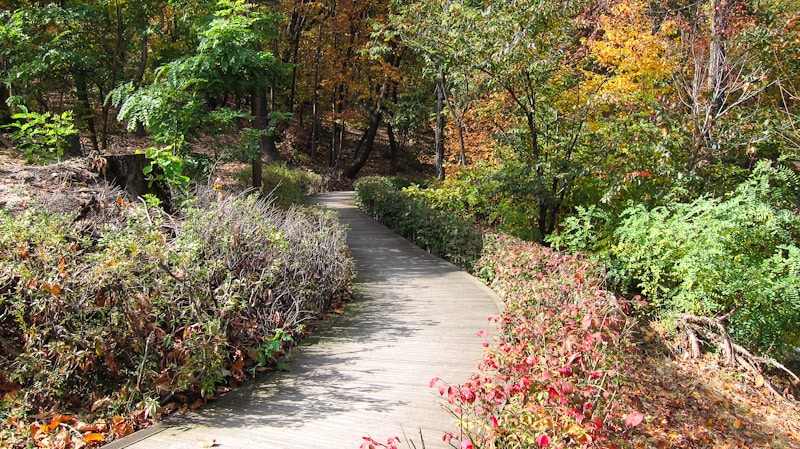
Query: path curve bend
[[414, 317]]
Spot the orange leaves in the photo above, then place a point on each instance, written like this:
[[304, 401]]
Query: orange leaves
[[94, 438], [8, 389], [120, 427], [59, 431], [53, 289], [66, 432]]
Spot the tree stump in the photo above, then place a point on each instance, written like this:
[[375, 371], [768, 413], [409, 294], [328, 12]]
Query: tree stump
[[126, 172]]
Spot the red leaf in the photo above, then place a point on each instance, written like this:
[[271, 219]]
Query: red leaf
[[634, 419], [543, 440]]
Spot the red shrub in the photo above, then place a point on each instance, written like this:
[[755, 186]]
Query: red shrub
[[550, 378]]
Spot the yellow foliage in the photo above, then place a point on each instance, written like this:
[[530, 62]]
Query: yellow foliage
[[635, 56]]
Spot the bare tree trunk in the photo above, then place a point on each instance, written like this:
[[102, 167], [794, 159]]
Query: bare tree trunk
[[366, 144], [257, 109], [439, 130], [140, 131], [5, 112], [336, 129], [462, 154], [266, 144], [458, 116], [83, 108], [394, 150], [717, 79], [314, 113], [709, 95]]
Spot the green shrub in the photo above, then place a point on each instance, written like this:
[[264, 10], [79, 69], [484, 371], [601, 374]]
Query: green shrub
[[131, 306], [287, 186], [737, 256], [439, 232], [42, 137], [588, 230], [468, 192], [290, 186]]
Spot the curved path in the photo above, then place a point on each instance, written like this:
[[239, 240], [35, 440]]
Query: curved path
[[367, 372]]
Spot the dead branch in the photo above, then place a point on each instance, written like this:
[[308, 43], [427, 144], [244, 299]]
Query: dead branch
[[713, 330], [722, 339]]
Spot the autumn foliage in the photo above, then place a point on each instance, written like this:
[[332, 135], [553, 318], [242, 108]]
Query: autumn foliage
[[551, 376], [133, 312]]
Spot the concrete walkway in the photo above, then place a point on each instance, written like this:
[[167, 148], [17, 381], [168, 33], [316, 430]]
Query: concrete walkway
[[414, 317]]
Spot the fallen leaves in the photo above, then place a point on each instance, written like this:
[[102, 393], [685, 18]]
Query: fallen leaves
[[206, 443], [66, 432], [693, 405], [634, 419], [121, 427]]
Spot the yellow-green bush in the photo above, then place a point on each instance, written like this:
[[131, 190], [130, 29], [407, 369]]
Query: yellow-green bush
[[445, 234]]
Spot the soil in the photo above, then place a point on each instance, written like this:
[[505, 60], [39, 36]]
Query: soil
[[63, 187]]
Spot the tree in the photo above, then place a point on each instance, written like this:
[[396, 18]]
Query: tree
[[193, 94], [78, 50], [530, 50]]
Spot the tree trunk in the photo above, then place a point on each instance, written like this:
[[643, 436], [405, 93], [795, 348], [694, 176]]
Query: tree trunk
[[5, 112], [266, 144], [336, 129], [295, 56], [140, 131], [439, 130], [717, 79], [462, 154], [83, 108], [709, 99], [314, 113], [458, 117], [366, 144], [394, 149], [126, 172]]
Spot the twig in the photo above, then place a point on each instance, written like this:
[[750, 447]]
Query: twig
[[146, 211]]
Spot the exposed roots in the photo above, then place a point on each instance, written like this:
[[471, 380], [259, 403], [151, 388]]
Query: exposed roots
[[712, 332]]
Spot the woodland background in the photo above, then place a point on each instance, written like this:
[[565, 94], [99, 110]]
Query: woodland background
[[660, 138]]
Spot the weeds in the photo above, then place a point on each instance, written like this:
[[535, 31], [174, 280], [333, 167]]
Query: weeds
[[129, 307]]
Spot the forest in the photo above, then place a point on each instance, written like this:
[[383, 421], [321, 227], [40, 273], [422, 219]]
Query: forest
[[659, 139]]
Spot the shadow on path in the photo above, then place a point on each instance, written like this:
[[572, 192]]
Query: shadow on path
[[414, 317]]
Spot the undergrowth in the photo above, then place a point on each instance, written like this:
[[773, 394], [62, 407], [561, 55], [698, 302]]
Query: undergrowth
[[289, 186], [556, 374], [438, 231], [550, 378], [733, 259], [132, 312]]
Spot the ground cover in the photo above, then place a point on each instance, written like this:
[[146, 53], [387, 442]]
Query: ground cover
[[574, 365], [115, 313]]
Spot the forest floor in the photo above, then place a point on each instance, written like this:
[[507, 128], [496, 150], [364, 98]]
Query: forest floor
[[686, 403], [700, 403]]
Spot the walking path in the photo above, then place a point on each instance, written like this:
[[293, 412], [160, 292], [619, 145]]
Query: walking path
[[414, 317]]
